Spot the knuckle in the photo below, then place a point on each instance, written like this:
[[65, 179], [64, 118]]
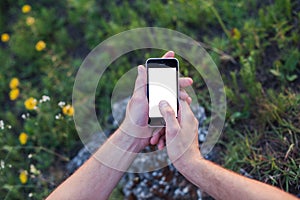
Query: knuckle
[[137, 98], [169, 111], [173, 129], [195, 121]]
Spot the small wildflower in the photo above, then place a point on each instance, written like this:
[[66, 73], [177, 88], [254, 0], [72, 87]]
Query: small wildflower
[[40, 45], [30, 21], [44, 99], [235, 34], [68, 110], [23, 176], [5, 37], [9, 126], [30, 103], [29, 156], [13, 94], [1, 124], [30, 195], [58, 116], [23, 138], [2, 164], [61, 104], [14, 83], [33, 170], [26, 8]]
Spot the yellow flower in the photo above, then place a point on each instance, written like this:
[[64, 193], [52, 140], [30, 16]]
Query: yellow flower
[[23, 138], [235, 34], [40, 45], [23, 176], [30, 103], [13, 94], [14, 83], [30, 21], [68, 110], [26, 8], [5, 37]]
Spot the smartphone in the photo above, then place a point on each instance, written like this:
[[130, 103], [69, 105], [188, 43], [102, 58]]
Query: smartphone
[[162, 84]]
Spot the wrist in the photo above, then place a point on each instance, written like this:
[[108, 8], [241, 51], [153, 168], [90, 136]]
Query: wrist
[[185, 166], [125, 141]]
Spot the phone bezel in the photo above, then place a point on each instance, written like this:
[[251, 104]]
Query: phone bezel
[[165, 63]]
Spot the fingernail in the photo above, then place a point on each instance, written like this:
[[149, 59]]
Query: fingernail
[[163, 103], [139, 69]]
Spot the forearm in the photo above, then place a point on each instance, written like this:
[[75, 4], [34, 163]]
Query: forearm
[[101, 173], [224, 184]]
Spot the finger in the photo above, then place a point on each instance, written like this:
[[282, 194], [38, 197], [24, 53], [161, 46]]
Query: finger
[[155, 138], [183, 95], [161, 142], [189, 100], [172, 125], [185, 82], [185, 111], [169, 54], [141, 81]]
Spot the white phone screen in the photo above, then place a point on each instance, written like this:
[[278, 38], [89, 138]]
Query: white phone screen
[[162, 86]]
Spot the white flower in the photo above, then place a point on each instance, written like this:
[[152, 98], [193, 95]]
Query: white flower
[[58, 116], [61, 104], [33, 170], [1, 124], [2, 164], [29, 156], [44, 99], [30, 195], [25, 116]]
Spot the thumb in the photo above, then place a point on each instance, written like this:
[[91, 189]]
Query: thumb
[[172, 125], [141, 81]]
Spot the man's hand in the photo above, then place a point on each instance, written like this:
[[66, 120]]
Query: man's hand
[[135, 123], [181, 135]]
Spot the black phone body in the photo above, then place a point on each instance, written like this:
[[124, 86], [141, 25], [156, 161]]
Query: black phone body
[[162, 84]]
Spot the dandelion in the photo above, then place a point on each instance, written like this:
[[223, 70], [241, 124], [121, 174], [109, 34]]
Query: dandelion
[[30, 103], [13, 94], [26, 8], [23, 138], [235, 34], [40, 45], [68, 110], [5, 37], [23, 176], [14, 83], [30, 21]]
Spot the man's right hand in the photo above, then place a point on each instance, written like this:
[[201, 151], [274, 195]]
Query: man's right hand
[[181, 135]]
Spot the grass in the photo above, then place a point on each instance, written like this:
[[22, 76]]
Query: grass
[[255, 45]]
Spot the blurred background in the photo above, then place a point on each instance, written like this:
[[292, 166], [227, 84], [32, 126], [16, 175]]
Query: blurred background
[[254, 43]]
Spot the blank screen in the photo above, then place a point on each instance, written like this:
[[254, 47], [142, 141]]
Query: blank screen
[[162, 86]]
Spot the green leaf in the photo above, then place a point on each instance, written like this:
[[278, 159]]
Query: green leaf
[[275, 72], [291, 77]]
